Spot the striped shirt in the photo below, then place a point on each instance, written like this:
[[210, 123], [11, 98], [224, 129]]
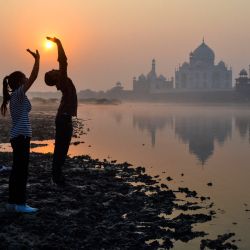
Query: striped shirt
[[19, 110]]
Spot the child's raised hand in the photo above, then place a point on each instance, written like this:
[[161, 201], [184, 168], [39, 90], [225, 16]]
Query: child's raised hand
[[36, 54], [53, 39]]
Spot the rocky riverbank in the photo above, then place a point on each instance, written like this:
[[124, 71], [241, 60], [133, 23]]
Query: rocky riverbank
[[104, 206]]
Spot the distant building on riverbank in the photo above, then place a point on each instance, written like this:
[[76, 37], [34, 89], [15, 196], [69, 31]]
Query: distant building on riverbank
[[152, 84], [243, 81], [201, 72]]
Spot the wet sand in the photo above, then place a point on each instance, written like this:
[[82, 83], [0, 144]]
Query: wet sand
[[104, 206]]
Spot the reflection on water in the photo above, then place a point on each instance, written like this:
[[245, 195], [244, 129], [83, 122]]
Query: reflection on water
[[243, 125], [152, 124], [201, 132]]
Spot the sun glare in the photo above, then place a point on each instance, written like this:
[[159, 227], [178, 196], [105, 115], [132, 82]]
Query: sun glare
[[48, 44]]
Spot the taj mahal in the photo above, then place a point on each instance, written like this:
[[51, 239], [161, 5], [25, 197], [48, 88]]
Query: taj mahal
[[202, 73]]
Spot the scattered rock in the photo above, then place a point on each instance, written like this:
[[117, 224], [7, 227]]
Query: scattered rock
[[188, 192], [164, 186], [219, 243]]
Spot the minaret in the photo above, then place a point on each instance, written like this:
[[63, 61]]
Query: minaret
[[153, 65]]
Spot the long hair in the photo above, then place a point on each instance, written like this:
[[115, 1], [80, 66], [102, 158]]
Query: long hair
[[10, 84]]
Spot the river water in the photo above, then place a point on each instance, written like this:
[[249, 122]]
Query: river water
[[193, 144]]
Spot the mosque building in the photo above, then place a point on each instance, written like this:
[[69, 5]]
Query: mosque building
[[152, 84], [201, 73]]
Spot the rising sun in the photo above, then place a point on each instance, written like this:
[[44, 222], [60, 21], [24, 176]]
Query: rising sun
[[48, 44]]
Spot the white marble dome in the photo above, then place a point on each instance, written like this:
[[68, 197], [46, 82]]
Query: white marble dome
[[203, 53]]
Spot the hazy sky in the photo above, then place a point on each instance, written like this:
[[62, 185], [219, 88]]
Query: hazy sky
[[114, 40]]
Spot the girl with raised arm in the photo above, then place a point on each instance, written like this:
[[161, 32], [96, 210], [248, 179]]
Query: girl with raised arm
[[15, 87], [67, 109]]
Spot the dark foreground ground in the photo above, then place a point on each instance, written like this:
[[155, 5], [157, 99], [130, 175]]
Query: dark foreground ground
[[104, 206], [101, 209]]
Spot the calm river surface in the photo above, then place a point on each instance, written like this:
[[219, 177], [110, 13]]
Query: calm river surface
[[205, 143]]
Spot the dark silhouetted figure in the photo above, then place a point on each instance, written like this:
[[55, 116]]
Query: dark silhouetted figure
[[15, 87], [67, 109]]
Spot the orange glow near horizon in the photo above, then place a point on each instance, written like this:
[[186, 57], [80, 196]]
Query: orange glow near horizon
[[110, 41]]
